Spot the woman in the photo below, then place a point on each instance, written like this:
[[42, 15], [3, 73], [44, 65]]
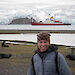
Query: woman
[[46, 61]]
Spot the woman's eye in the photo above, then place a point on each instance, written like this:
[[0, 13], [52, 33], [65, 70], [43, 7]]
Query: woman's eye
[[40, 42], [45, 42]]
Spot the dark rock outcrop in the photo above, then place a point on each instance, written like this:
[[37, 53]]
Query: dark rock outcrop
[[5, 56], [22, 21]]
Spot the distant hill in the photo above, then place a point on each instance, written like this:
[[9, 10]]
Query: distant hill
[[22, 21]]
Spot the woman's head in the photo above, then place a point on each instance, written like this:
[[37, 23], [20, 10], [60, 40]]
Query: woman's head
[[43, 40]]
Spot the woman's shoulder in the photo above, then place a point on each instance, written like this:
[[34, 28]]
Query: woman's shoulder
[[61, 57], [60, 54]]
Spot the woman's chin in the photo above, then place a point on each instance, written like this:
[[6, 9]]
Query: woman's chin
[[42, 50]]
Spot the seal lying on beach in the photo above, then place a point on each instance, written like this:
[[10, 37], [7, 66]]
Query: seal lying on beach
[[5, 56]]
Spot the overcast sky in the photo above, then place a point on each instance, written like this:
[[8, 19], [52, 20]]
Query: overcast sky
[[34, 1], [20, 3], [38, 1]]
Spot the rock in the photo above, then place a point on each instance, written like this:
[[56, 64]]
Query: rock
[[22, 21]]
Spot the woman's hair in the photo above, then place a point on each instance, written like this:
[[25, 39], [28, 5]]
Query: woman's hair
[[44, 35]]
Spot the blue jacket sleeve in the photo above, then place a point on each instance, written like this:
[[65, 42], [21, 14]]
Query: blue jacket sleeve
[[30, 70], [63, 66]]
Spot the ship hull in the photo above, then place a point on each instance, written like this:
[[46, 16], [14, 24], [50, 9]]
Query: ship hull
[[50, 23]]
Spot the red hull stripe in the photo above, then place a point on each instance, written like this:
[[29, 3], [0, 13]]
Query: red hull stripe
[[51, 24]]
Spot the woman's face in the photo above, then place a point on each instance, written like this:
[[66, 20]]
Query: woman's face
[[43, 45]]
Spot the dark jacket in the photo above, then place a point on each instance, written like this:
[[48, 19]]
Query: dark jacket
[[44, 63]]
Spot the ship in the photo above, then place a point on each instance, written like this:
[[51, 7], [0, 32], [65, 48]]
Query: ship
[[50, 21]]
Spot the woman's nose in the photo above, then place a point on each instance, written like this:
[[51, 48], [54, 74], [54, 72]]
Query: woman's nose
[[43, 43]]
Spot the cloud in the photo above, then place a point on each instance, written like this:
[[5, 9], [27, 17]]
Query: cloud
[[38, 1], [6, 4]]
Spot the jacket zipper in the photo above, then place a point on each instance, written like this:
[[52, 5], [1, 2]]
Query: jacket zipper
[[42, 67]]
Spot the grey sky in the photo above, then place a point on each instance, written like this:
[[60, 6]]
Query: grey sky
[[38, 1], [22, 3]]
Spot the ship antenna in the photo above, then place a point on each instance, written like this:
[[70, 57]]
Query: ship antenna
[[31, 19], [49, 14]]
